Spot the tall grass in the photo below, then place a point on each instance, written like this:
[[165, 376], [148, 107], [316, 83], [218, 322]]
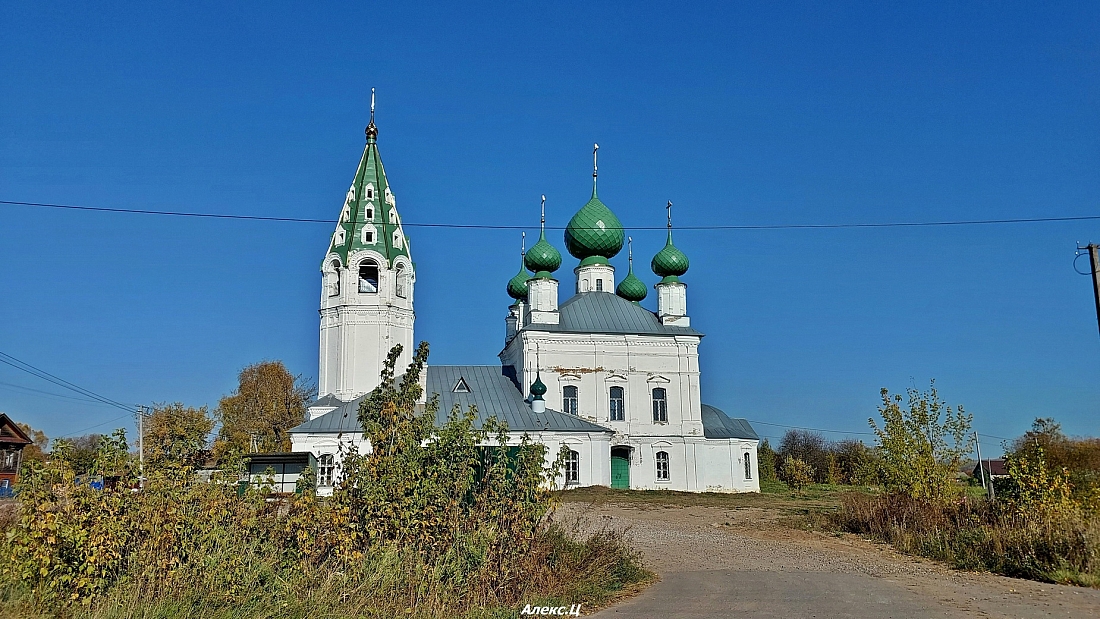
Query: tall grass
[[433, 522], [1061, 547]]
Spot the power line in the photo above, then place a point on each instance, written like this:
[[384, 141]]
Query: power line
[[779, 425], [49, 393], [92, 427], [60, 382], [825, 226]]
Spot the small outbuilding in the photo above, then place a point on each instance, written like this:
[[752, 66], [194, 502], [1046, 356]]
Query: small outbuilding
[[993, 469]]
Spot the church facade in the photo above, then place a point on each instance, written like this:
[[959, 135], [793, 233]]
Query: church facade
[[612, 383]]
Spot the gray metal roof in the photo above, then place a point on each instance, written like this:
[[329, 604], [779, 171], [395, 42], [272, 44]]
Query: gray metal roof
[[604, 312], [493, 393], [717, 424]]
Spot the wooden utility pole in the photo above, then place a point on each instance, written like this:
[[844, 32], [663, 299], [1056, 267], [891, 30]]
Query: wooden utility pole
[[142, 413], [1094, 262]]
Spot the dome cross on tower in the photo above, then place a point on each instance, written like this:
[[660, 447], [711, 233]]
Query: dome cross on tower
[[670, 263], [517, 286], [543, 259], [631, 288], [594, 234]]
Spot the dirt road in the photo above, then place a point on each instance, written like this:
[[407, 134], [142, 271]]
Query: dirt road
[[744, 562]]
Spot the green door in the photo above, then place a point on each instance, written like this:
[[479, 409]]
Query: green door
[[620, 472]]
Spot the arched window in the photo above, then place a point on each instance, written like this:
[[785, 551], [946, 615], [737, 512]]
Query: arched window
[[400, 283], [368, 276], [572, 467], [332, 279], [326, 467], [615, 404], [662, 465], [569, 400], [748, 466], [660, 405]]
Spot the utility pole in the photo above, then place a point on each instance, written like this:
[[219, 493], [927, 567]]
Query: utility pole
[[981, 469], [1094, 261], [142, 413]]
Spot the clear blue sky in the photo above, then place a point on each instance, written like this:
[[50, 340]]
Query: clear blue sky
[[788, 113]]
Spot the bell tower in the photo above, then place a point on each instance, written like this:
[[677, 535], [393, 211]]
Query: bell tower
[[367, 284]]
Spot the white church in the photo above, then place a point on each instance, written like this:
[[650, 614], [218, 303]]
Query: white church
[[613, 382]]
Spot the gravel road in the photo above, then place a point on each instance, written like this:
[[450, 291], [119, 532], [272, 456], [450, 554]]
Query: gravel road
[[717, 562]]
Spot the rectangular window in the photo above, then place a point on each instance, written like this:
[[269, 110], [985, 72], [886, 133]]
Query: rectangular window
[[615, 405], [325, 469], [573, 468], [599, 285], [662, 465], [569, 400], [660, 406]]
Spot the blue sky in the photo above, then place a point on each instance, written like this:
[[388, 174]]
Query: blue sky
[[777, 114]]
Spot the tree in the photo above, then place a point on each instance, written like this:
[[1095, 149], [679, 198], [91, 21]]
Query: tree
[[268, 402], [921, 446], [176, 435], [796, 473], [809, 447], [1079, 456], [765, 461], [79, 452], [36, 451]]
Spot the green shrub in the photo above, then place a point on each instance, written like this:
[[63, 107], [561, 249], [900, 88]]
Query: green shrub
[[434, 521]]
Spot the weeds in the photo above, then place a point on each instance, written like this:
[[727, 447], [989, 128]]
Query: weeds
[[434, 521]]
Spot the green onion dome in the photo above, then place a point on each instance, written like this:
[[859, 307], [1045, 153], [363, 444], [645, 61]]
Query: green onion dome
[[670, 262], [632, 288], [542, 258], [517, 286], [537, 388], [594, 234]]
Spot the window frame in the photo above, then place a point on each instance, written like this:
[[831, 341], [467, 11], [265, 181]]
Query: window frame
[[748, 466], [326, 470], [572, 469], [400, 284], [662, 466], [369, 263], [575, 400], [660, 405], [616, 413]]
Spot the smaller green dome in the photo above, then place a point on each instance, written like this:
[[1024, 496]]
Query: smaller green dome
[[543, 256], [537, 388], [517, 286], [632, 288], [670, 261]]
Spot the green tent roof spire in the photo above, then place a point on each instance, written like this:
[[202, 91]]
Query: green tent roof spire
[[631, 288], [543, 259], [369, 219], [670, 263], [517, 286]]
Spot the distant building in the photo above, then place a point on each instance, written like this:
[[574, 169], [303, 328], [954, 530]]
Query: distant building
[[994, 469], [614, 384], [12, 442]]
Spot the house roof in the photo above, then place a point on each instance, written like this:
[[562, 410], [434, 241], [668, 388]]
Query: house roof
[[606, 312], [717, 424], [483, 386], [992, 467], [11, 434]]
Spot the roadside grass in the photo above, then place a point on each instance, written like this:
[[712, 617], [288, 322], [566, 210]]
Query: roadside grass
[[811, 508]]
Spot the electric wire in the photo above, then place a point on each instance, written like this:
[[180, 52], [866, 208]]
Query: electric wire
[[50, 394], [823, 226], [60, 382]]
